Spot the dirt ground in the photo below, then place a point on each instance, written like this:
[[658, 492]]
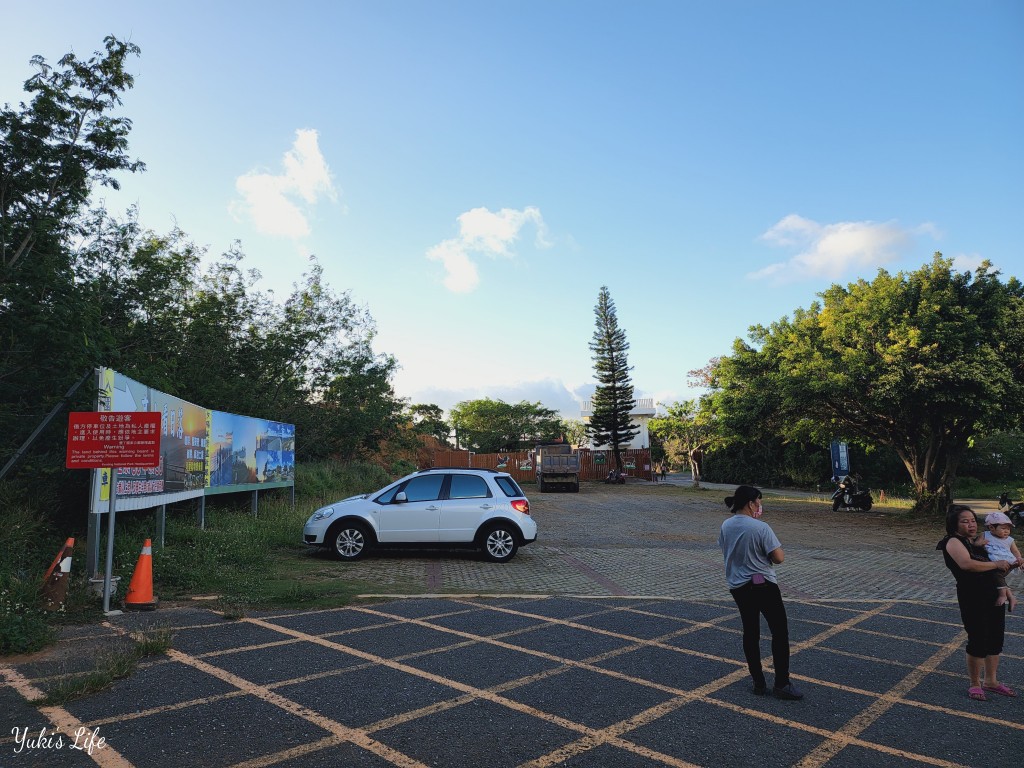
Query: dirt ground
[[655, 515]]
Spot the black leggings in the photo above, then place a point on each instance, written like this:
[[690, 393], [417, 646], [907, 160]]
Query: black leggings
[[984, 621], [754, 600]]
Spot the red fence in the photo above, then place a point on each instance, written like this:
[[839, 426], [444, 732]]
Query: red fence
[[594, 465]]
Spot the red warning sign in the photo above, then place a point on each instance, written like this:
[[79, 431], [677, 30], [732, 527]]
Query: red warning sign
[[112, 439]]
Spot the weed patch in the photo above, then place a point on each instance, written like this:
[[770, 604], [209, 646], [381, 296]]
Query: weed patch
[[24, 625], [251, 561], [111, 666]]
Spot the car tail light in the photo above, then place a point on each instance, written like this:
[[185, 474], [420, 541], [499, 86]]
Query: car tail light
[[521, 505]]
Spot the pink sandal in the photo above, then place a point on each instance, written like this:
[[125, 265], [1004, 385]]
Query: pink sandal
[[977, 694], [1002, 690]]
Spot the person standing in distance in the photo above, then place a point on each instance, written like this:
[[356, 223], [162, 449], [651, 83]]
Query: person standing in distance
[[751, 550]]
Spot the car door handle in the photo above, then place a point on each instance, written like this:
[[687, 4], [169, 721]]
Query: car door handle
[[486, 506], [432, 508]]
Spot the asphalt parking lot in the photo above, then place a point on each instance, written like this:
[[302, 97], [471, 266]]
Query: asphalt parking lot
[[611, 642]]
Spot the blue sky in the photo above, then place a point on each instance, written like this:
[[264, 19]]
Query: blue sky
[[473, 173]]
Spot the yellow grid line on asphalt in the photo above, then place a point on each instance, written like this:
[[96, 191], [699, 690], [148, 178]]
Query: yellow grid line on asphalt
[[865, 718], [107, 757], [955, 643], [834, 740]]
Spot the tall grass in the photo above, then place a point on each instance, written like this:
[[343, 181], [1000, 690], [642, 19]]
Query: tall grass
[[237, 556], [24, 625]]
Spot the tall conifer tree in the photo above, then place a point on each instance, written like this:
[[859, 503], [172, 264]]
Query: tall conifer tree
[[610, 423]]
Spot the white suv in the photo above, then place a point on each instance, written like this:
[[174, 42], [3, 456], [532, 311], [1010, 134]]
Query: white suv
[[442, 506]]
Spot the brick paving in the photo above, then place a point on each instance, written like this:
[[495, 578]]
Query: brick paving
[[611, 642], [661, 541]]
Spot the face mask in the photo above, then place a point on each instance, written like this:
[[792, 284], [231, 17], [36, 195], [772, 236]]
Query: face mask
[[758, 512]]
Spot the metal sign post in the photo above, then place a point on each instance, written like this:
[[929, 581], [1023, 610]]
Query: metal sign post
[[110, 549]]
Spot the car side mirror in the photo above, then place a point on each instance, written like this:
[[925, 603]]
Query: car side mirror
[[401, 498]]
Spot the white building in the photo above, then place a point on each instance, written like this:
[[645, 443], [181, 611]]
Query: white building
[[643, 411]]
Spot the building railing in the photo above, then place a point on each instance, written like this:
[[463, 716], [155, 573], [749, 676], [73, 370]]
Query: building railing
[[639, 405]]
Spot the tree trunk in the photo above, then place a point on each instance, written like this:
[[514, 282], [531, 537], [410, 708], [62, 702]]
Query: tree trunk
[[618, 456], [932, 473], [696, 460]]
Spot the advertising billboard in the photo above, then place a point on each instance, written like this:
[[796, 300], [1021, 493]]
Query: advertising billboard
[[201, 451], [245, 453], [181, 473], [840, 460]]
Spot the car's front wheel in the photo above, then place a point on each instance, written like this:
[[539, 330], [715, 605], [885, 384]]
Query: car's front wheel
[[500, 543], [350, 541]]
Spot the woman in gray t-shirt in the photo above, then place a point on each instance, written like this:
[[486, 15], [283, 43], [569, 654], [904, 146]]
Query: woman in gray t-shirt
[[751, 550]]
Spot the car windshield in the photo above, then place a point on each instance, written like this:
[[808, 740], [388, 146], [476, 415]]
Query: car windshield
[[508, 485]]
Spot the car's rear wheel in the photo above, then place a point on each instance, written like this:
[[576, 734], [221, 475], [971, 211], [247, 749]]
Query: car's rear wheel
[[500, 543], [540, 484], [350, 541]]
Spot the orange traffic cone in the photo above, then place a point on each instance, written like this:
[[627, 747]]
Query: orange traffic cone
[[140, 591], [55, 582]]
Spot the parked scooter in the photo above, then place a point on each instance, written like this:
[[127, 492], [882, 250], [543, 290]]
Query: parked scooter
[[849, 498], [1013, 511], [616, 477]]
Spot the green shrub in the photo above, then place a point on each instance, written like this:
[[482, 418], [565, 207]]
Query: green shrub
[[325, 481], [402, 467], [973, 488], [24, 625]]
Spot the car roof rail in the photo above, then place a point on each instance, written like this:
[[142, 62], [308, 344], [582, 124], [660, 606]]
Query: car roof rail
[[471, 469]]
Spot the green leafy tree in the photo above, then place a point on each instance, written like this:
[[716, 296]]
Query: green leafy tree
[[610, 423], [489, 426], [918, 361], [574, 431], [138, 288], [80, 288], [686, 434], [996, 458], [428, 419], [54, 150], [307, 360], [359, 412]]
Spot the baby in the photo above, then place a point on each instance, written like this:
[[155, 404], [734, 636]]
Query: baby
[[1000, 546]]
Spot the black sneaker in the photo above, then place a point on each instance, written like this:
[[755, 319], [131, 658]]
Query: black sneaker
[[788, 692], [759, 690]]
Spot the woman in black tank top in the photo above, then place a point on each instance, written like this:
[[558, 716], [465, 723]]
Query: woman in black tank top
[[976, 592]]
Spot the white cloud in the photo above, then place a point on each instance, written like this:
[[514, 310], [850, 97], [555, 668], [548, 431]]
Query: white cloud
[[832, 250], [279, 205], [550, 393], [482, 231], [462, 275], [967, 262]]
